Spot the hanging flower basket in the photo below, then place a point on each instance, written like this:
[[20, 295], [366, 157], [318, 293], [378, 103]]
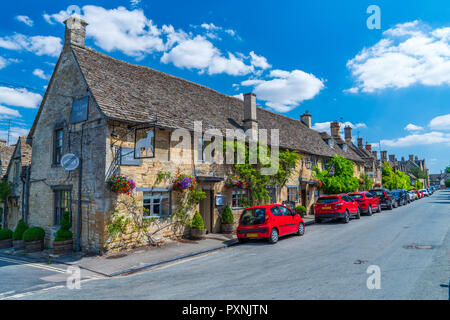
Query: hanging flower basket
[[183, 182], [235, 182], [120, 184], [318, 183], [362, 182]]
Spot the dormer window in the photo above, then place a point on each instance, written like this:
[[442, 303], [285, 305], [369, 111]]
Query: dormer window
[[343, 147], [330, 142]]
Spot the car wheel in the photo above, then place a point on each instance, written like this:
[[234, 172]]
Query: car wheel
[[369, 211], [379, 208], [358, 214], [273, 236], [390, 206], [346, 218], [300, 229]]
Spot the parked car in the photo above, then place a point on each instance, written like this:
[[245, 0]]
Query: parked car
[[425, 192], [400, 197], [269, 222], [339, 206], [387, 200], [368, 203], [412, 195]]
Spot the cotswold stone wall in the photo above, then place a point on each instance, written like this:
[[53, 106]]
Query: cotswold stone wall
[[87, 141]]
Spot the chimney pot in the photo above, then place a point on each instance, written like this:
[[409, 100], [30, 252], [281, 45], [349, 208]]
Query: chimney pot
[[75, 31], [368, 147], [306, 119], [411, 157], [335, 127], [360, 142], [383, 155], [348, 134]]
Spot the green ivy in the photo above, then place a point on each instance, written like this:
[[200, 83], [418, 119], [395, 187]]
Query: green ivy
[[342, 181]]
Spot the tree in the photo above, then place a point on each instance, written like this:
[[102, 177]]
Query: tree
[[395, 180], [365, 181], [447, 183], [419, 185], [419, 173], [447, 170], [342, 181], [5, 190]]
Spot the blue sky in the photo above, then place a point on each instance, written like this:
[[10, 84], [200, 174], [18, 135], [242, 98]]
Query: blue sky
[[391, 84]]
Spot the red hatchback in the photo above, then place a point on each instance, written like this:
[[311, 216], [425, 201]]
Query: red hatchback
[[339, 206], [269, 222], [367, 202]]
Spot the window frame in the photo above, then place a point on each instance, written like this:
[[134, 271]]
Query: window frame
[[161, 193], [289, 191], [57, 204], [237, 192], [56, 147]]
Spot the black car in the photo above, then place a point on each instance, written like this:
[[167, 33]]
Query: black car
[[387, 200], [400, 196]]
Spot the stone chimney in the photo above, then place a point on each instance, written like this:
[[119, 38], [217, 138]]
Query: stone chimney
[[360, 143], [383, 156], [392, 157], [403, 159], [348, 134], [2, 143], [368, 147], [417, 158], [411, 157], [250, 119], [375, 154], [335, 127], [75, 31], [306, 119]]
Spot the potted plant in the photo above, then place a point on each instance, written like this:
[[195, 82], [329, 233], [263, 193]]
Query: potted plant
[[63, 242], [235, 182], [34, 239], [5, 238], [197, 227], [18, 243], [227, 220], [301, 210]]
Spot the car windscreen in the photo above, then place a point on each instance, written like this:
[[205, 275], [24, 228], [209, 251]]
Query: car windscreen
[[253, 216], [378, 193], [355, 196], [328, 200]]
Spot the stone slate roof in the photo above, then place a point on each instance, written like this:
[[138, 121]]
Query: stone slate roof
[[25, 152], [127, 92], [6, 153]]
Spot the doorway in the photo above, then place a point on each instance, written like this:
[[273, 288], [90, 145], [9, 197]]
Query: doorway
[[206, 210]]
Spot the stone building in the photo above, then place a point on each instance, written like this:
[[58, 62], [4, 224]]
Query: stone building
[[5, 155], [102, 111], [17, 174]]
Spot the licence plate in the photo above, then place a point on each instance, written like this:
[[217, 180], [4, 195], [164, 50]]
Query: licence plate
[[252, 235], [326, 207]]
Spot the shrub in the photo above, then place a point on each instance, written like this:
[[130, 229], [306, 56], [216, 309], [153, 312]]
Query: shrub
[[20, 229], [33, 234], [227, 216], [5, 234], [197, 222], [63, 233], [300, 209], [447, 183]]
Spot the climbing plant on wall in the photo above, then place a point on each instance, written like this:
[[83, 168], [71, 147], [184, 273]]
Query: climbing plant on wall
[[342, 181]]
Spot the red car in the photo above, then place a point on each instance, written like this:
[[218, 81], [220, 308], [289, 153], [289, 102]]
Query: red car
[[269, 222], [339, 206], [367, 202]]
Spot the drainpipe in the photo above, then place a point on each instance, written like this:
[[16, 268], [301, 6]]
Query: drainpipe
[[27, 193], [80, 179]]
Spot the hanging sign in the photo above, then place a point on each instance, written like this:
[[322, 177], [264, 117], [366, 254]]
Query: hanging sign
[[69, 162]]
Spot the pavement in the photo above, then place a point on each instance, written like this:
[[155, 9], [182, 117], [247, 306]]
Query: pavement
[[409, 246]]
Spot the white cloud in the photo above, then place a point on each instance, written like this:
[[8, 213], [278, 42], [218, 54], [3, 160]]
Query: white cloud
[[199, 53], [259, 61], [440, 123], [3, 62], [413, 127], [15, 132], [430, 138], [26, 20], [325, 126], [409, 54], [286, 89], [8, 113], [40, 45], [41, 74], [135, 3], [239, 96], [210, 26], [19, 97]]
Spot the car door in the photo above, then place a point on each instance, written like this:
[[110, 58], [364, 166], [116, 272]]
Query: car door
[[372, 200], [279, 220], [290, 219]]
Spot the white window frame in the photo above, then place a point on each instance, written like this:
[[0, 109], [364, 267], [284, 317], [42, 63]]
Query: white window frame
[[289, 189], [235, 197], [153, 195]]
